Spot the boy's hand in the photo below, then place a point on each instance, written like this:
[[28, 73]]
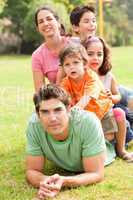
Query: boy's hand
[[109, 94]]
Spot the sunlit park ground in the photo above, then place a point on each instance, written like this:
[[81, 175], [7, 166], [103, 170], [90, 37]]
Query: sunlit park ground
[[16, 105]]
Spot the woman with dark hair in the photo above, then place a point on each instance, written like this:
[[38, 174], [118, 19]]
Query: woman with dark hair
[[45, 59]]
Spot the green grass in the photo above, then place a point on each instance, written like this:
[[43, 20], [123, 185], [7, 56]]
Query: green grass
[[123, 65], [16, 89]]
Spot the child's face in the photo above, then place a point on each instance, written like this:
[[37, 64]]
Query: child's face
[[95, 55], [87, 25], [74, 67]]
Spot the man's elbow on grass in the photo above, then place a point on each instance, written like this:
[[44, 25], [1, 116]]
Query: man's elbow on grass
[[100, 172], [100, 177], [29, 174], [34, 177]]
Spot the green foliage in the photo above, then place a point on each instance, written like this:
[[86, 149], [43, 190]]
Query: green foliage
[[16, 12], [118, 19], [2, 5], [30, 32], [21, 13]]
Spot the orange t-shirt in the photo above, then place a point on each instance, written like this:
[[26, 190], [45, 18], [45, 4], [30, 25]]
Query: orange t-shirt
[[90, 85]]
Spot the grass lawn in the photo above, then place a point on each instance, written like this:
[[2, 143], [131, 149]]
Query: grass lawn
[[16, 91]]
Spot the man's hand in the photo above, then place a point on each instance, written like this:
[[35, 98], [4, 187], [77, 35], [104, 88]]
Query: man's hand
[[50, 187]]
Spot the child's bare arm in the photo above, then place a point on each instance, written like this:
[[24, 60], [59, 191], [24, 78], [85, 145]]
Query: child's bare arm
[[115, 95], [83, 101], [60, 75]]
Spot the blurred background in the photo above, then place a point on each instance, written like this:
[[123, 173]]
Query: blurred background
[[18, 32]]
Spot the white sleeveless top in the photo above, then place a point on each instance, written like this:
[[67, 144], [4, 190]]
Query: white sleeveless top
[[107, 80]]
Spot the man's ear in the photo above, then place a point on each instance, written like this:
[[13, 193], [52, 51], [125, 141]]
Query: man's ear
[[38, 114], [69, 108]]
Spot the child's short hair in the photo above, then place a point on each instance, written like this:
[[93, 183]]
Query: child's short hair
[[106, 65], [78, 12], [73, 49]]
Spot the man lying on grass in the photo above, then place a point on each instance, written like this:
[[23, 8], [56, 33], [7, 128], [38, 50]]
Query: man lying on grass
[[72, 139]]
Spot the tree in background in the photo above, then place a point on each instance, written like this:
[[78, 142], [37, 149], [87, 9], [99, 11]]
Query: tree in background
[[21, 14], [118, 19], [15, 11], [30, 32], [2, 5]]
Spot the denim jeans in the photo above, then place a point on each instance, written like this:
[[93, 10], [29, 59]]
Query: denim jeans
[[126, 94]]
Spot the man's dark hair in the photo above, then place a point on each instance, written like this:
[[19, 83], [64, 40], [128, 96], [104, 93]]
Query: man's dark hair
[[50, 91], [78, 12]]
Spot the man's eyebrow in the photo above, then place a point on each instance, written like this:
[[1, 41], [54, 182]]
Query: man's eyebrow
[[43, 110], [57, 108]]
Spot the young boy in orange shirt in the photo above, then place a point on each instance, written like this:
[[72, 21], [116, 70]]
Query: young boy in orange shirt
[[82, 84], [87, 91]]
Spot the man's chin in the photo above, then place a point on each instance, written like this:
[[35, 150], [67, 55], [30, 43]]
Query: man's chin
[[56, 132], [58, 136]]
